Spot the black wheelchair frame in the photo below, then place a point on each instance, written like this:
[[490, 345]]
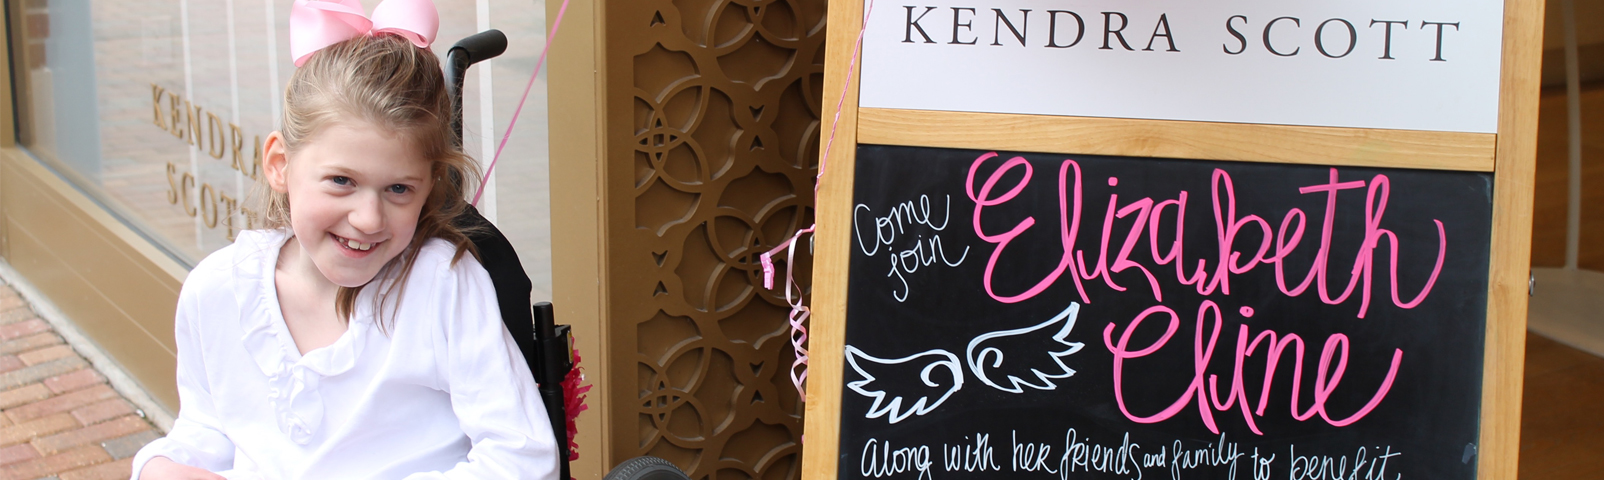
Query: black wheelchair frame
[[546, 346]]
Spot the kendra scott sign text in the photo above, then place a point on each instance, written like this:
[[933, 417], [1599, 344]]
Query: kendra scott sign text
[[210, 135], [1418, 65]]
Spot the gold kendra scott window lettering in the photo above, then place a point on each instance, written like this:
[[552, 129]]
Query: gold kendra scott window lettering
[[205, 131]]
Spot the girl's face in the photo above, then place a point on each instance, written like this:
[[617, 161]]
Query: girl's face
[[355, 193]]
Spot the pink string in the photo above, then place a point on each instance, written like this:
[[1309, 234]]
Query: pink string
[[555, 24], [799, 312]]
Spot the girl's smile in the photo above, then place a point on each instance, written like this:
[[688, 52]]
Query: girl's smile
[[358, 249], [355, 192]]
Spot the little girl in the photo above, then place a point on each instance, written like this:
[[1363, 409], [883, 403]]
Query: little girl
[[353, 338]]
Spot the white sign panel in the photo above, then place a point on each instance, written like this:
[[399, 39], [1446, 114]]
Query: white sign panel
[[1405, 64]]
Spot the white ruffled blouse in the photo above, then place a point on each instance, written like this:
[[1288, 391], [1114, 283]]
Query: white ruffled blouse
[[445, 394]]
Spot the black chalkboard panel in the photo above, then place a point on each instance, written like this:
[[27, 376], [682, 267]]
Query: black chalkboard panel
[[977, 348]]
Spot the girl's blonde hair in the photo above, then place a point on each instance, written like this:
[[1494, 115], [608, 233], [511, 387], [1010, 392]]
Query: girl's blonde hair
[[387, 82]]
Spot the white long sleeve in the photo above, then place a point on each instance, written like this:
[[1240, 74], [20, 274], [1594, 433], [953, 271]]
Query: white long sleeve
[[195, 439], [477, 355], [440, 392]]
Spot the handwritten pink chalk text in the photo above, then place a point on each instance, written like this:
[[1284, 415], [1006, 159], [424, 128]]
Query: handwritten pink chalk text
[[1273, 248], [1236, 254], [1207, 395]]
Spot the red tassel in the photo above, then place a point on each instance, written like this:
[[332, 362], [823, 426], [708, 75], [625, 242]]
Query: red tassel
[[573, 403]]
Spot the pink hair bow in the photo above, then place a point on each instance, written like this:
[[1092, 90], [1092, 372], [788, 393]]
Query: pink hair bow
[[315, 24]]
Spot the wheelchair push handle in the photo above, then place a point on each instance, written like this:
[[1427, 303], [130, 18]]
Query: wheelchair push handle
[[466, 52]]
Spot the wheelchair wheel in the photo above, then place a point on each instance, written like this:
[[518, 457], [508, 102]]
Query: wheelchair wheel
[[646, 468]]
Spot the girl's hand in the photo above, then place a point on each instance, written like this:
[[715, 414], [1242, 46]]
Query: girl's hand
[[162, 468]]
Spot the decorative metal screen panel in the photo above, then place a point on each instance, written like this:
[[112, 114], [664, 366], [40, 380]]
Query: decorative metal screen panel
[[711, 162]]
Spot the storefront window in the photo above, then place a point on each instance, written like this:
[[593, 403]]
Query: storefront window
[[157, 109]]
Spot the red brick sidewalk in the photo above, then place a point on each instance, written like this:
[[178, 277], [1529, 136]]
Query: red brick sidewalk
[[58, 417]]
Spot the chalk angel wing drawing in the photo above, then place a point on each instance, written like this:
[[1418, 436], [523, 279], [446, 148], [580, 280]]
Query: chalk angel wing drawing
[[1034, 355], [939, 372]]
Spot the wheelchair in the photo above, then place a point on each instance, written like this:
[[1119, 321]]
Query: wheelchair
[[546, 346]]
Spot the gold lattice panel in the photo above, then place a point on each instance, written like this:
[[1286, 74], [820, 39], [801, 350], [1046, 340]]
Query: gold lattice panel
[[711, 162]]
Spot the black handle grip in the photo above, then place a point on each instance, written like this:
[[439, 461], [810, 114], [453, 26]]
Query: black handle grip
[[468, 51], [479, 46], [545, 321]]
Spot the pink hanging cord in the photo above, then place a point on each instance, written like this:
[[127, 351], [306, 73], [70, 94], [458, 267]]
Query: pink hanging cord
[[555, 24], [800, 312]]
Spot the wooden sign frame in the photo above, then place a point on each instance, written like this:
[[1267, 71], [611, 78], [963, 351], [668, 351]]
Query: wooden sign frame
[[1510, 154]]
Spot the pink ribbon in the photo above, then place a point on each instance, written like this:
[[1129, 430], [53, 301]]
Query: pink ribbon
[[800, 311], [316, 24]]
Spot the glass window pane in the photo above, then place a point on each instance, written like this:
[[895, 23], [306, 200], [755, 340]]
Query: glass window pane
[[157, 109]]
